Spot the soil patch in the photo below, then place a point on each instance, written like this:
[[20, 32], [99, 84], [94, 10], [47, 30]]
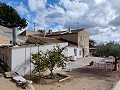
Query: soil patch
[[46, 79]]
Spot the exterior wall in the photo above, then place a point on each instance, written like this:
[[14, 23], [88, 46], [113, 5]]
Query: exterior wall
[[21, 57], [18, 58], [4, 39], [85, 44], [76, 39], [5, 55], [71, 52], [79, 53], [70, 37]]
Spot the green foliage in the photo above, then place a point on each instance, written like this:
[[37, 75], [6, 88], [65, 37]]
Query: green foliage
[[10, 18], [100, 49], [50, 59], [109, 49], [92, 43], [56, 58], [39, 61]]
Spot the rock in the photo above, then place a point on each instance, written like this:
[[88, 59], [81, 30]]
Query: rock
[[30, 87], [60, 85]]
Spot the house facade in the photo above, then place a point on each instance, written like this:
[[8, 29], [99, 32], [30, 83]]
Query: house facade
[[18, 58], [78, 40]]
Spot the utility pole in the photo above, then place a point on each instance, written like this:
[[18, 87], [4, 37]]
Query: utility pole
[[78, 25], [34, 26]]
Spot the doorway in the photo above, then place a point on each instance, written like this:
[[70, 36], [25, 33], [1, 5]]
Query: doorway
[[83, 50]]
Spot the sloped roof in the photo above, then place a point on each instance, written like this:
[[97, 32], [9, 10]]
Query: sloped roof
[[28, 32], [4, 40], [5, 29], [64, 32], [8, 33], [43, 40]]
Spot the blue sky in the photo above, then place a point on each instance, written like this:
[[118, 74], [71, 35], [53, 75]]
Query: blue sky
[[100, 18]]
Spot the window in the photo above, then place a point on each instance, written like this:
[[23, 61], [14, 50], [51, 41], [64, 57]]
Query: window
[[75, 52], [81, 40], [79, 53]]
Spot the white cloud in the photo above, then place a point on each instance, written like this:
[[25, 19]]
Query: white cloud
[[22, 9], [115, 21], [98, 17], [36, 5], [110, 34], [74, 9], [58, 28], [116, 5], [98, 2]]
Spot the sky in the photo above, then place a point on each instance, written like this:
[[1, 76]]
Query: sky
[[100, 18]]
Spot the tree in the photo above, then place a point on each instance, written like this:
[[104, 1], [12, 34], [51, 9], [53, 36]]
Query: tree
[[100, 50], [49, 59], [109, 49], [92, 43], [56, 58], [10, 18], [39, 61]]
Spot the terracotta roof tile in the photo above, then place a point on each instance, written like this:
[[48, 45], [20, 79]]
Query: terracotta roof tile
[[5, 29], [43, 40]]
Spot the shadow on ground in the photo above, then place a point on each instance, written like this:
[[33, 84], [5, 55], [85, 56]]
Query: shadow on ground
[[90, 71]]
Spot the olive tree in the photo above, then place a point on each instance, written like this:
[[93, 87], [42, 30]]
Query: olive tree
[[109, 49]]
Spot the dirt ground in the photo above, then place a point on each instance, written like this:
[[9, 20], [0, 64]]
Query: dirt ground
[[82, 78], [7, 84], [86, 78]]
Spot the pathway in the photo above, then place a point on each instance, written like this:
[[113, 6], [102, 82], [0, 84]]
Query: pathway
[[81, 62]]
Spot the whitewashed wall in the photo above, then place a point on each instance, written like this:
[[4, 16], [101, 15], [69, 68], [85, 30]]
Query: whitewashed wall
[[71, 52], [78, 51], [21, 56]]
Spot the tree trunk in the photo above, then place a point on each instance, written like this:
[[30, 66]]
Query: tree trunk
[[115, 64], [52, 75]]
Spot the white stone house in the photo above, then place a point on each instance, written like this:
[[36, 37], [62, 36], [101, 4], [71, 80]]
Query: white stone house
[[18, 58]]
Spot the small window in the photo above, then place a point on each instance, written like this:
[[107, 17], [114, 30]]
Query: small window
[[79, 53], [81, 40], [75, 52]]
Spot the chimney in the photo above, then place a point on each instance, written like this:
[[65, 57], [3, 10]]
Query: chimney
[[50, 32], [14, 32], [69, 30]]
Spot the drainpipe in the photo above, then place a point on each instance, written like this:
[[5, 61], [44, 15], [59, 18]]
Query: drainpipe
[[14, 35]]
